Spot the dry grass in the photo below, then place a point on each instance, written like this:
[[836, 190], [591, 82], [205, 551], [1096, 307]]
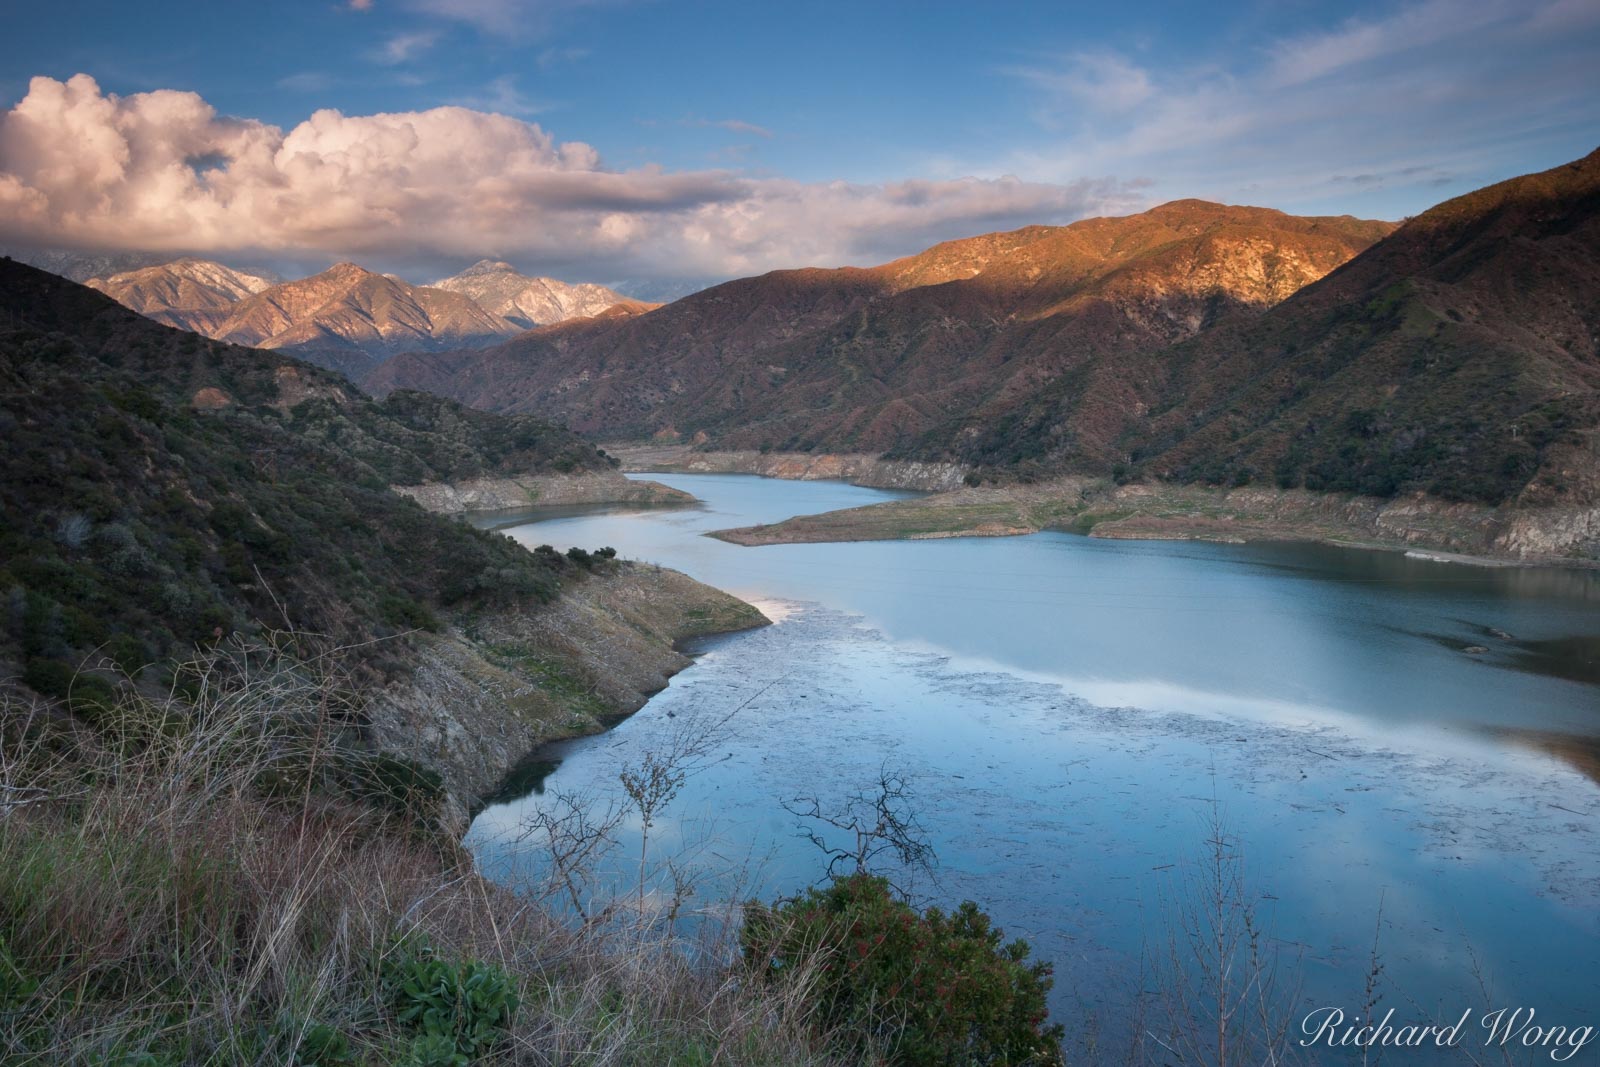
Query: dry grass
[[181, 888]]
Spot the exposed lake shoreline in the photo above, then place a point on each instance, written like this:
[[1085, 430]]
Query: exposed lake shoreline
[[1425, 526], [520, 491], [493, 686]]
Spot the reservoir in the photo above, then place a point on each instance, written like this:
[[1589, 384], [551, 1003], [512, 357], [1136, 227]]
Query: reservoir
[[1397, 751]]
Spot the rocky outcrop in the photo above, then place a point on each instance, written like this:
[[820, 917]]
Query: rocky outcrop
[[856, 468], [1550, 532], [504, 494], [493, 687]]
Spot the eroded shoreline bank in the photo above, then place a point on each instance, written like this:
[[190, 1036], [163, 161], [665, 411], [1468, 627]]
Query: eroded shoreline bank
[[1422, 525], [538, 490], [493, 686]]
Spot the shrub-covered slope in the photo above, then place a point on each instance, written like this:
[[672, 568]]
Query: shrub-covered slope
[[1458, 356], [160, 488], [879, 358]]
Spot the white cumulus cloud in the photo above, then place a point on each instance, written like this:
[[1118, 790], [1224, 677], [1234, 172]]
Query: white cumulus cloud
[[163, 171]]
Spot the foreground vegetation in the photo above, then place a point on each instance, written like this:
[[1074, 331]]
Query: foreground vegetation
[[211, 878], [208, 883]]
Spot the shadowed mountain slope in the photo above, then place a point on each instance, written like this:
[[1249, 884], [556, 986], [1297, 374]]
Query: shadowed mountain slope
[[161, 487], [875, 359], [1460, 356]]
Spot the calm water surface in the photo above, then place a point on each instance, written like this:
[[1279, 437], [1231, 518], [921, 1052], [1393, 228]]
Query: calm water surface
[[1073, 708]]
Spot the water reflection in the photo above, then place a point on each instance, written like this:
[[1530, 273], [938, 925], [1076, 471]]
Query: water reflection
[[1073, 707], [1307, 630]]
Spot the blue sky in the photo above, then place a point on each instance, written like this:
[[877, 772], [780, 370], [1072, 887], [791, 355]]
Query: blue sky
[[662, 139]]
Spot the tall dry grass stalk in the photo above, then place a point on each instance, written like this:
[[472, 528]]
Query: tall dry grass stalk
[[181, 885]]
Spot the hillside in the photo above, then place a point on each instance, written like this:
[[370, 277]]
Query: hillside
[[1460, 356], [500, 290], [878, 359], [1195, 343], [163, 490]]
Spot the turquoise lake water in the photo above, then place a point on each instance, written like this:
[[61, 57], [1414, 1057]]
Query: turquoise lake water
[[1072, 710]]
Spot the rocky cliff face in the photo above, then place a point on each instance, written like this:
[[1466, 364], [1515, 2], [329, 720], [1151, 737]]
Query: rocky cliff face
[[500, 290]]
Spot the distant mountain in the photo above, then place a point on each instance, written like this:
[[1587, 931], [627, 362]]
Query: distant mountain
[[81, 266], [349, 318], [891, 357], [528, 302], [194, 294], [661, 290]]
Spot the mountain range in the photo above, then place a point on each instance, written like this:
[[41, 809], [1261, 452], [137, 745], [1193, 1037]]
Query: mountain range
[[886, 357], [348, 318], [1454, 354], [186, 293], [530, 302]]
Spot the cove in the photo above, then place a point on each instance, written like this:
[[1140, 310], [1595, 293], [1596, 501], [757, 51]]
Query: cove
[[1073, 709]]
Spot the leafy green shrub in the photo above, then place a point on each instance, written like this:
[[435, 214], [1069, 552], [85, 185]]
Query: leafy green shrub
[[86, 694], [15, 986], [322, 1045], [460, 1010], [399, 786], [434, 1050], [932, 989], [408, 614]]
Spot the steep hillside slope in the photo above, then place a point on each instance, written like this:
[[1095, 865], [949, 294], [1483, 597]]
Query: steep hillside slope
[[163, 490], [874, 359], [1460, 356]]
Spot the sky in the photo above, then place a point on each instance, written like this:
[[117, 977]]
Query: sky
[[657, 142]]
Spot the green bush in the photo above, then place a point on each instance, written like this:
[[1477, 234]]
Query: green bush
[[408, 614], [459, 1010], [399, 786], [931, 989], [321, 1045], [86, 694], [15, 986]]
